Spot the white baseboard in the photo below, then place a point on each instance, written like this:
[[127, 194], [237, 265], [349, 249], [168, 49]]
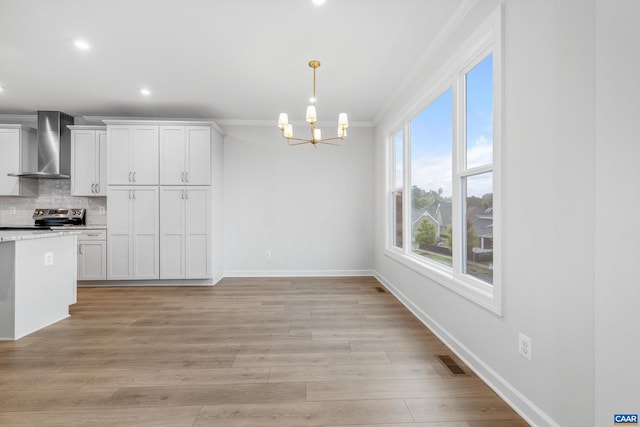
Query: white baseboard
[[514, 398], [134, 283], [299, 273]]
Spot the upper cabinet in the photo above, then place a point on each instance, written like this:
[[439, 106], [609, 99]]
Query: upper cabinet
[[132, 155], [88, 160], [185, 155], [18, 146]]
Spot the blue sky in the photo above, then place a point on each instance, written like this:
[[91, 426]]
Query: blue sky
[[431, 133]]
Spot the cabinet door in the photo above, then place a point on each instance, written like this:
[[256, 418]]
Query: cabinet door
[[198, 155], [119, 233], [172, 232], [92, 260], [145, 155], [101, 163], [198, 232], [9, 161], [83, 163], [172, 155], [118, 155], [146, 242]]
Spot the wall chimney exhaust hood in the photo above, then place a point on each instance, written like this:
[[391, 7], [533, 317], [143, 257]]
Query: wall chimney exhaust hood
[[54, 147]]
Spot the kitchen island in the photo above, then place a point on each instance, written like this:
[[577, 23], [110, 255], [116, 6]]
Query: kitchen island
[[38, 271]]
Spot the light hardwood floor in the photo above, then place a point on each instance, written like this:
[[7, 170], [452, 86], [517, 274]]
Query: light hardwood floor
[[247, 352]]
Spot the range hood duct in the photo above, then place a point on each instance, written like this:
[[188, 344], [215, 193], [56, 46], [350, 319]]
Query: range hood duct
[[54, 147]]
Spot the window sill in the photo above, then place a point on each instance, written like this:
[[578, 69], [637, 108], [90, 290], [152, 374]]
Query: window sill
[[486, 296]]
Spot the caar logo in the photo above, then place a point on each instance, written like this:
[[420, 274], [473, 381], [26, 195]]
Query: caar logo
[[625, 419]]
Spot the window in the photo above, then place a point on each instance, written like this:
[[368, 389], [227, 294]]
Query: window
[[431, 180], [445, 161]]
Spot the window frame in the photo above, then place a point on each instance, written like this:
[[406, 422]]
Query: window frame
[[486, 40]]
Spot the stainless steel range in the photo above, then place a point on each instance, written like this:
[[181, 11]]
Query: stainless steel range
[[45, 219], [58, 217]]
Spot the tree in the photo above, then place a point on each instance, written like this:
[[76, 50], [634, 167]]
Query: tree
[[426, 234], [427, 200], [472, 237]]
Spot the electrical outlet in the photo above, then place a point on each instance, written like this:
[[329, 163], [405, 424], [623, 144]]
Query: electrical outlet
[[101, 210], [48, 258], [12, 210], [524, 346], [267, 254]]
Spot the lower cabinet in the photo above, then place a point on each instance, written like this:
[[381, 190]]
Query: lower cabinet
[[92, 255], [185, 232], [133, 244]]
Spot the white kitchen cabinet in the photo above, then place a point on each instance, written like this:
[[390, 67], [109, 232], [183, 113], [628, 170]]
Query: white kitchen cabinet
[[88, 160], [92, 255], [19, 149], [132, 155], [185, 153], [185, 232], [133, 233]]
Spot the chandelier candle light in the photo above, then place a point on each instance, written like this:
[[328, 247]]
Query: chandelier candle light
[[312, 118]]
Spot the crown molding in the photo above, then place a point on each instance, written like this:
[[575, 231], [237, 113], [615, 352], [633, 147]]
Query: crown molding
[[449, 27], [19, 117], [153, 120]]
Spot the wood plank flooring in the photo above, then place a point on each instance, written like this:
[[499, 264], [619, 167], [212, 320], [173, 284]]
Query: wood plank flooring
[[247, 352]]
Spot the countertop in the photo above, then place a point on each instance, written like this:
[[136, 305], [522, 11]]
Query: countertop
[[80, 227], [14, 235]]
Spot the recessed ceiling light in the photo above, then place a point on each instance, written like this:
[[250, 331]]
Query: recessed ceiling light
[[81, 44], [1, 89], [144, 91], [318, 2]]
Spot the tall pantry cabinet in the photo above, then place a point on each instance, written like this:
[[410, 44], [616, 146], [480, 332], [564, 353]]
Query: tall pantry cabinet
[[157, 231], [185, 202]]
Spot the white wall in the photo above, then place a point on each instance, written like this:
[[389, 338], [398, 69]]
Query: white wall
[[217, 200], [312, 208], [617, 207], [549, 215]]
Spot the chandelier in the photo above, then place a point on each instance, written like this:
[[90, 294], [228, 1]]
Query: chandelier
[[312, 118]]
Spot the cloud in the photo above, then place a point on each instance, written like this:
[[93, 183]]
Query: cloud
[[434, 172], [480, 152]]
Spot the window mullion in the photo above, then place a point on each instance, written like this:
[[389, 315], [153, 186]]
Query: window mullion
[[406, 191], [458, 158]]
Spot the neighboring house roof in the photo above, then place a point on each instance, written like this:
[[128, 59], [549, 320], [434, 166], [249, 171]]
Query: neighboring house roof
[[443, 214], [482, 221], [417, 215]]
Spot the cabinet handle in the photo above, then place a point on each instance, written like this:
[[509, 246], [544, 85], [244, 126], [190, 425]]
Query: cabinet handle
[[187, 193], [93, 191], [130, 195], [80, 249], [182, 177], [186, 174], [134, 177], [93, 235], [130, 176], [97, 188], [134, 194]]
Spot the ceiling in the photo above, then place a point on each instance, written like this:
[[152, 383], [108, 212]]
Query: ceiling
[[227, 60]]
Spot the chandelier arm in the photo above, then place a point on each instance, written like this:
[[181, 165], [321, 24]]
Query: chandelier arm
[[329, 139], [325, 141], [299, 139]]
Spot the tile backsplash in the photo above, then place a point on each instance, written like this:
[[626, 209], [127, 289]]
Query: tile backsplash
[[52, 193]]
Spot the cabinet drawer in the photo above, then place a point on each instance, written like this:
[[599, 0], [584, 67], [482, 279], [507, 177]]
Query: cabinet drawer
[[88, 235]]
